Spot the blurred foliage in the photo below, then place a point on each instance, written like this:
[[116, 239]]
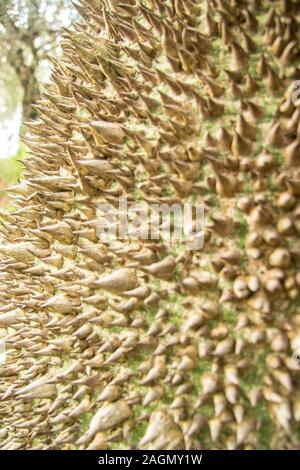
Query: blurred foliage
[[29, 31], [11, 168], [10, 172]]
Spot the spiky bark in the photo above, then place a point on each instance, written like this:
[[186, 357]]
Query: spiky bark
[[146, 344]]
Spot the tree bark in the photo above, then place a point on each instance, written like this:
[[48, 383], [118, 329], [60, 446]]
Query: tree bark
[[27, 76], [31, 94]]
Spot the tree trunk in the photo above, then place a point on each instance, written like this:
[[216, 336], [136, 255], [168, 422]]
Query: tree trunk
[[31, 95], [29, 83]]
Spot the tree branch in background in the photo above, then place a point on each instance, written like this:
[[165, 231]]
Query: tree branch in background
[[28, 32]]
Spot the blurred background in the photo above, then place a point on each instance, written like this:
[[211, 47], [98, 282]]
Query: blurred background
[[29, 33]]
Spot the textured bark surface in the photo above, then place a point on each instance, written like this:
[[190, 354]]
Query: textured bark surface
[[145, 344]]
